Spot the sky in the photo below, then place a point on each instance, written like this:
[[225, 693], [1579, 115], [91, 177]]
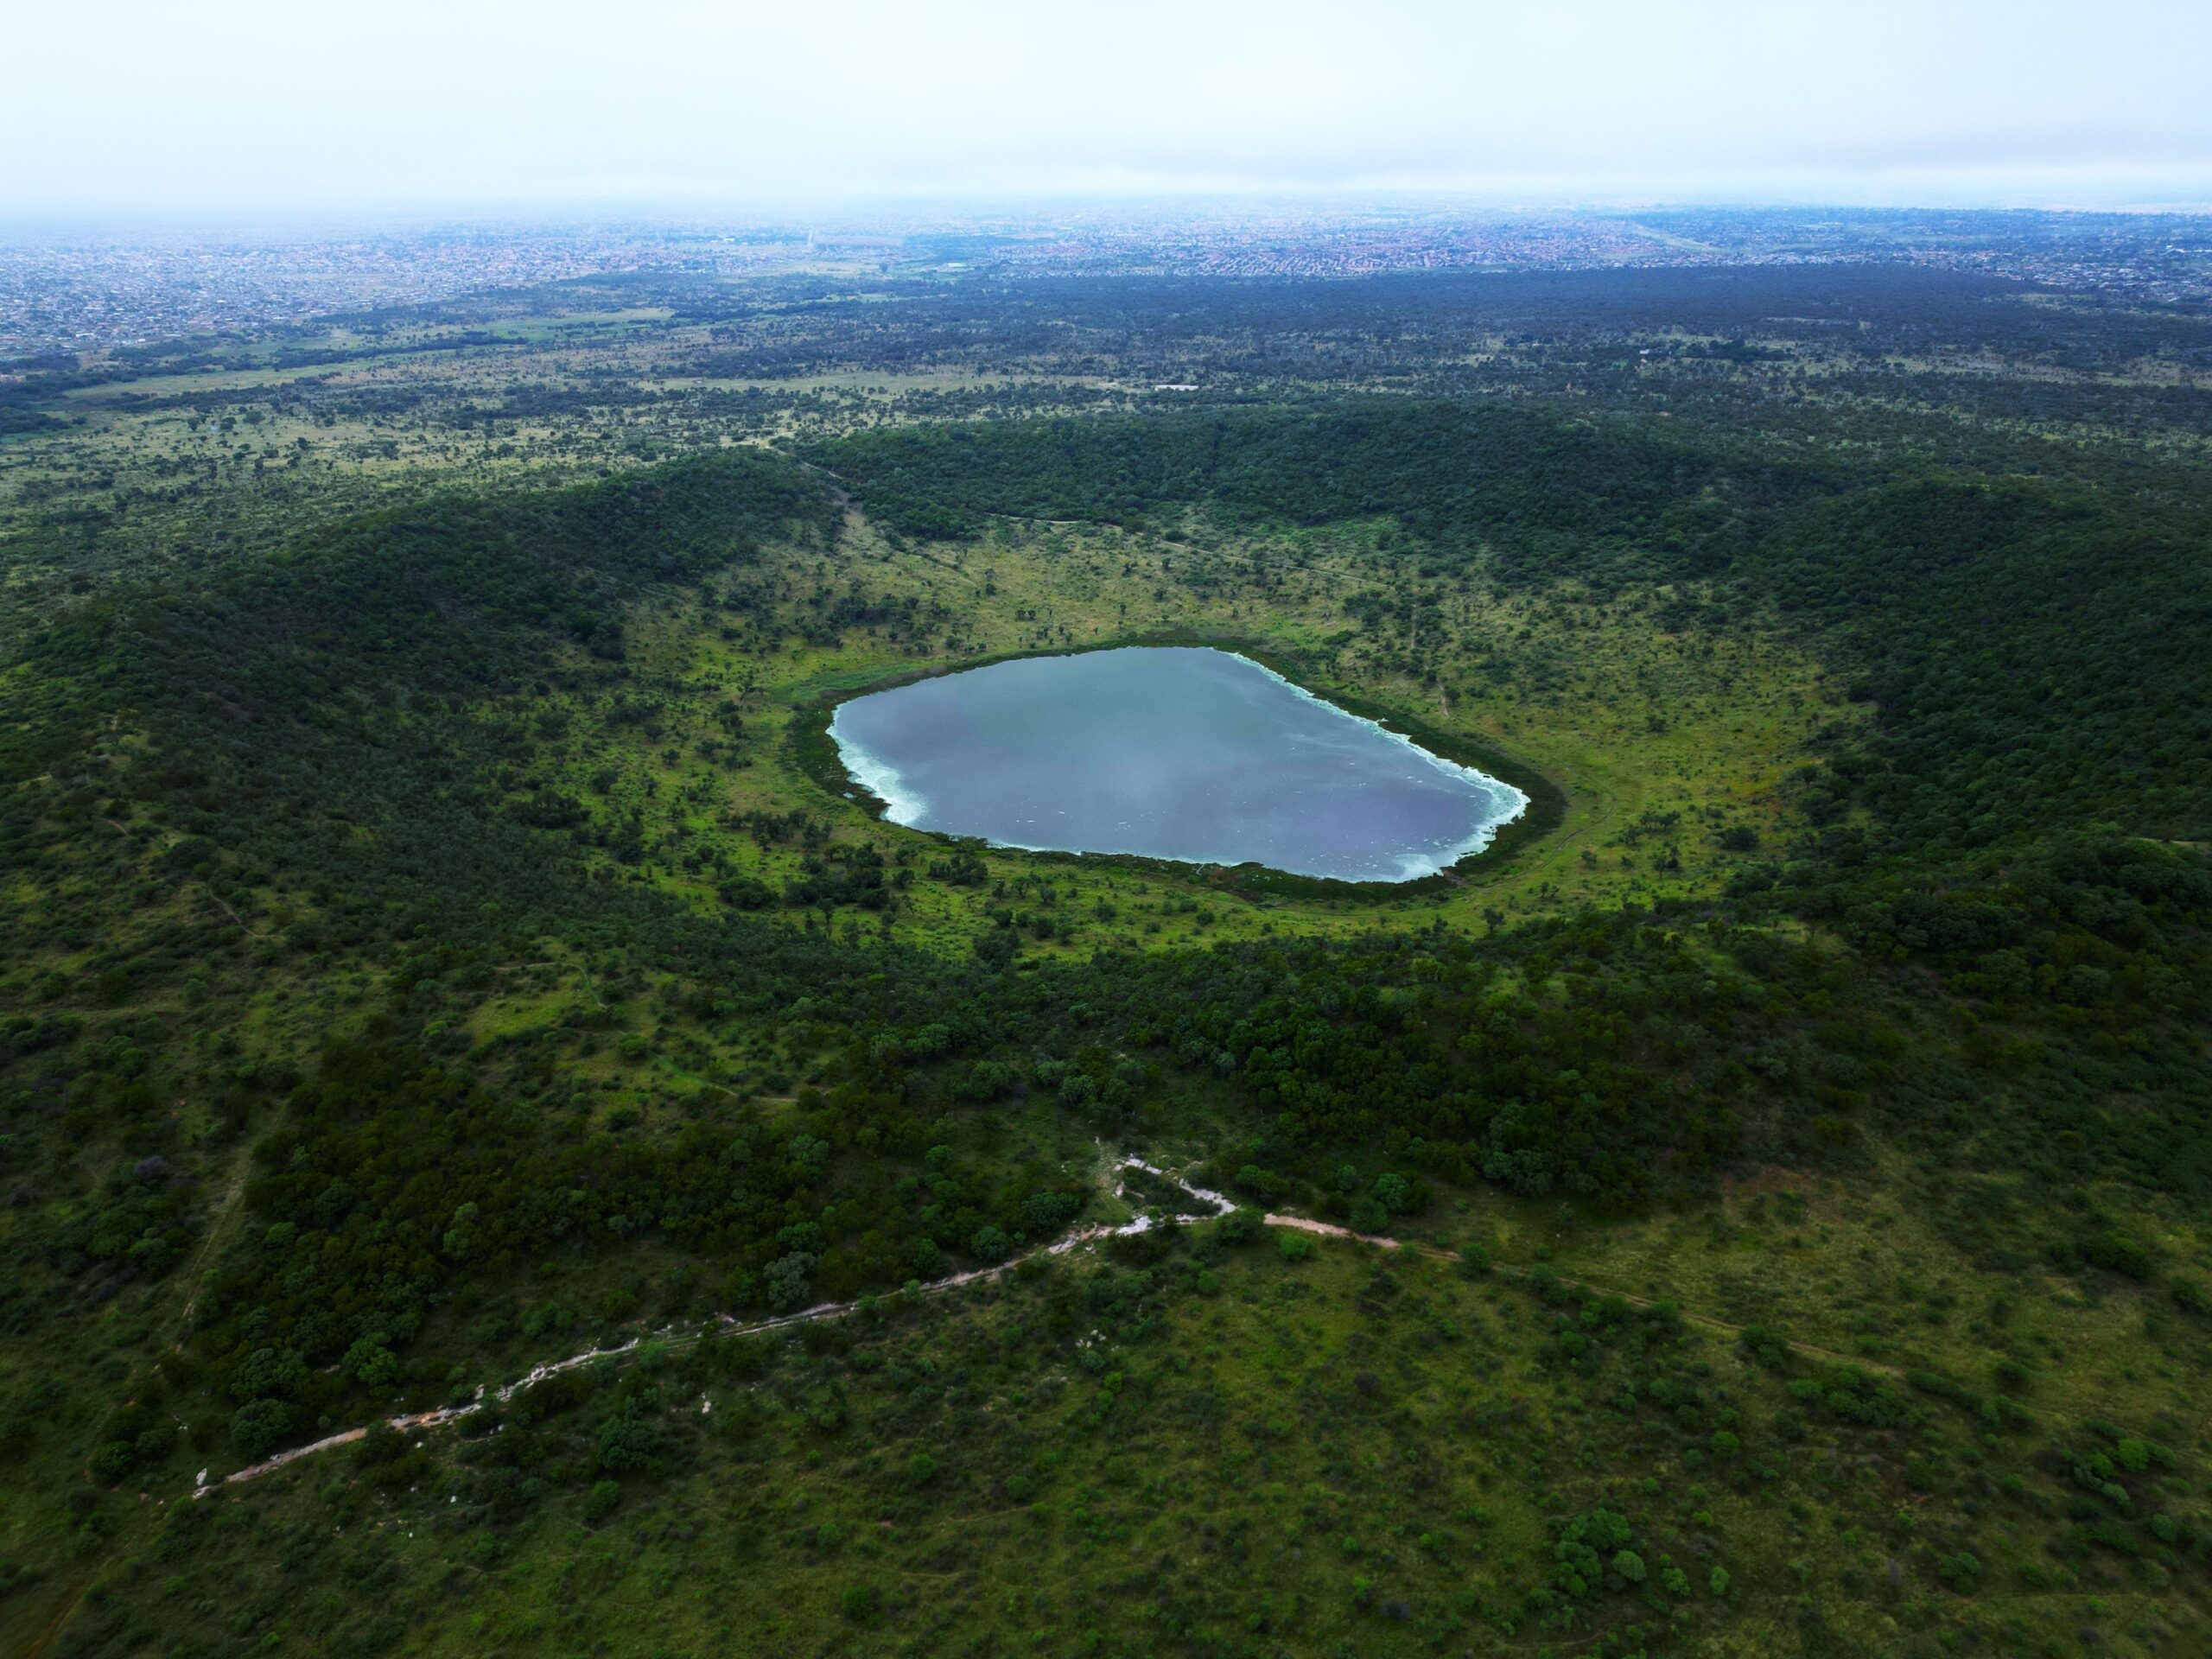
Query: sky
[[113, 107]]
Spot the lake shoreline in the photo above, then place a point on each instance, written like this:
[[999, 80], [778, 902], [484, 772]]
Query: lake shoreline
[[815, 751]]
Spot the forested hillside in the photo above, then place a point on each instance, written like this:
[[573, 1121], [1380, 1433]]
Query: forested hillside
[[438, 947]]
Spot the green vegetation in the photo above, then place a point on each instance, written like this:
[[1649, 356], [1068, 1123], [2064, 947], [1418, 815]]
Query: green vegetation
[[1192, 1438], [441, 943]]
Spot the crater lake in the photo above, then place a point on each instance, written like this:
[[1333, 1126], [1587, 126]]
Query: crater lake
[[1182, 752]]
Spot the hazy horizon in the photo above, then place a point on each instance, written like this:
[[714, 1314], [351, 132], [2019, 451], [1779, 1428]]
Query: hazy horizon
[[248, 110]]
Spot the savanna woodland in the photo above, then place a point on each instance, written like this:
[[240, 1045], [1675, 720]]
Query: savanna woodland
[[1758, 1206]]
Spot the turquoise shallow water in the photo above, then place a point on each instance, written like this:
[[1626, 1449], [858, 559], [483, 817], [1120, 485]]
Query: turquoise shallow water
[[1169, 752]]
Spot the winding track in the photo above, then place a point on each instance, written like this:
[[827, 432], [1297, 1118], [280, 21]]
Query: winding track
[[1215, 1203]]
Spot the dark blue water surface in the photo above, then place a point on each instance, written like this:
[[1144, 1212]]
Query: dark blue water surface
[[1169, 752]]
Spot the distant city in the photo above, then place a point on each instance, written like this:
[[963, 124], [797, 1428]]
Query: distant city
[[88, 293]]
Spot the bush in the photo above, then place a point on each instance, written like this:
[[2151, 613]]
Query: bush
[[256, 1427], [786, 1279], [1765, 1348], [599, 1501], [2115, 1252], [859, 1603], [1583, 1544], [1395, 1193], [371, 1364], [1962, 1571], [383, 1444], [627, 1446], [112, 1461], [1239, 1226], [268, 1371], [1296, 1246]]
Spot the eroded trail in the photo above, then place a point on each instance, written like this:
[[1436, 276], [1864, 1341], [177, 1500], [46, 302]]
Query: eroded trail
[[1207, 1204], [1330, 1229], [1212, 1203]]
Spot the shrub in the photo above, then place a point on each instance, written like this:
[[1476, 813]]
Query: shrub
[[1962, 1571], [112, 1461], [628, 1445], [1239, 1226], [2115, 1252], [1582, 1548], [371, 1364], [1260, 1183], [258, 1425], [266, 1372], [786, 1281], [383, 1444], [1765, 1348]]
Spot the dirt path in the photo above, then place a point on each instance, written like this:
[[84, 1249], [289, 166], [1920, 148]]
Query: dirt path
[[1330, 1229], [1215, 1203], [218, 1222], [1504, 1270]]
